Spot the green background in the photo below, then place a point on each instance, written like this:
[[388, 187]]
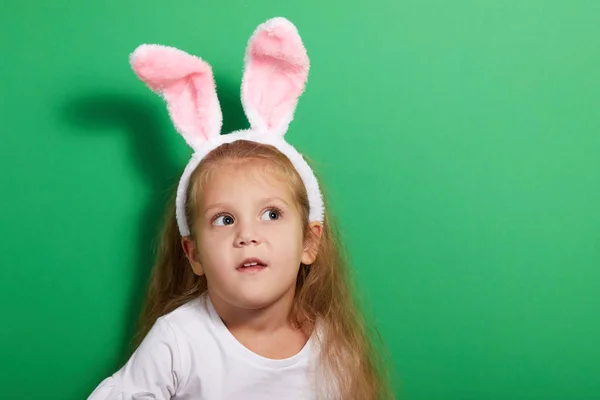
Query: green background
[[458, 141]]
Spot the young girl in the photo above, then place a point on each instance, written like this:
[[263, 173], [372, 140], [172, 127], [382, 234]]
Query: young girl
[[250, 296]]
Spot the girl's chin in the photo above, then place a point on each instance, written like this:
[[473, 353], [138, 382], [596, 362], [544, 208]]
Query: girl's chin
[[256, 299]]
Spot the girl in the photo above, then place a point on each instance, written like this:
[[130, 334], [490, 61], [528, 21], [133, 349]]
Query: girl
[[250, 296]]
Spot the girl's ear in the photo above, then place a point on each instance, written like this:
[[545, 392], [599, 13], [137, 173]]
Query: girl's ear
[[191, 252], [311, 243], [187, 85], [275, 74]]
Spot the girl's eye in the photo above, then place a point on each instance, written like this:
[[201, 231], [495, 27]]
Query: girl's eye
[[223, 220], [271, 214]]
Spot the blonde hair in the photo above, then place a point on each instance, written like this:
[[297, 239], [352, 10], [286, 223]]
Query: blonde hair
[[324, 292]]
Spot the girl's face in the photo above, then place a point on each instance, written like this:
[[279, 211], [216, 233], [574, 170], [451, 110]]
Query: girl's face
[[250, 241]]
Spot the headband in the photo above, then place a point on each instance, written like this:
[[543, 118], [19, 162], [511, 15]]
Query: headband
[[275, 73]]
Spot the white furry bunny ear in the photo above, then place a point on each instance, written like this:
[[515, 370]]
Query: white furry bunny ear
[[187, 85], [275, 75]]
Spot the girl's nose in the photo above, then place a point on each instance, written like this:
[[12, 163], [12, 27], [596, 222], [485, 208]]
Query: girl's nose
[[246, 237], [245, 241]]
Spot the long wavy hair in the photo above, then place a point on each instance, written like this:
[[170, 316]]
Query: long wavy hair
[[352, 357]]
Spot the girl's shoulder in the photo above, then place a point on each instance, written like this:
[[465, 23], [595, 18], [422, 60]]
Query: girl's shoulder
[[190, 315], [189, 331]]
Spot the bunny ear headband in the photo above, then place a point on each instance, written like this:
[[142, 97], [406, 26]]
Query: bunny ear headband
[[275, 74]]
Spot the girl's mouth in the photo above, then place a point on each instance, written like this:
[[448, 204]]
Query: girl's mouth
[[251, 265]]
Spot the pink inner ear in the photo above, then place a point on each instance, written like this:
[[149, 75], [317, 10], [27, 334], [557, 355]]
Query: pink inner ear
[[187, 85], [276, 72]]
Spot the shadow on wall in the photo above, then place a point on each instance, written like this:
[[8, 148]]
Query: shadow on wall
[[140, 119]]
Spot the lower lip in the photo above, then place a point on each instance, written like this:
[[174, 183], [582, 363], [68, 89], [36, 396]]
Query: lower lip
[[253, 269]]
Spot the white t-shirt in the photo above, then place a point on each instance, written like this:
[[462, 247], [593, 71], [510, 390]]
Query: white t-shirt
[[189, 354]]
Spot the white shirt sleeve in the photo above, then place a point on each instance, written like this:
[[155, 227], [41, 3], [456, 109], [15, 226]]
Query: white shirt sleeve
[[151, 373]]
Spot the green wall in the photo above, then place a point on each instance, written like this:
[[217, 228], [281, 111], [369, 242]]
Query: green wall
[[458, 140]]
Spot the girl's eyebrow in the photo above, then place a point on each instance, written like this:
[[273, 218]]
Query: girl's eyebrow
[[224, 204], [270, 199], [215, 205]]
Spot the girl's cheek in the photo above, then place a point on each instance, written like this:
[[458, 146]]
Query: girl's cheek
[[276, 230]]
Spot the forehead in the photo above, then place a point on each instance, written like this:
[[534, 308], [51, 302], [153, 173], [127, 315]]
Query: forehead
[[244, 180]]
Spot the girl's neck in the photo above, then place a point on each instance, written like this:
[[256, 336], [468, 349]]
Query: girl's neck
[[266, 331], [268, 319]]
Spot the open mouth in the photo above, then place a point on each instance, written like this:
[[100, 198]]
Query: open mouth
[[251, 265]]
